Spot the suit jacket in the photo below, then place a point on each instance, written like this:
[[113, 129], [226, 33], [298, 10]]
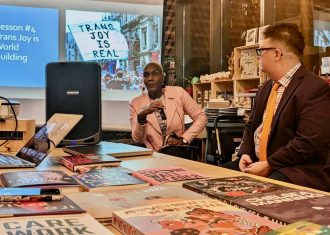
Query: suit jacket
[[298, 144], [177, 103]]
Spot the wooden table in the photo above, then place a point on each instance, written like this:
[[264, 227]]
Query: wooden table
[[157, 160]]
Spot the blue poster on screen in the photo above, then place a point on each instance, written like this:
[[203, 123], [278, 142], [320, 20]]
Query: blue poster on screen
[[28, 41]]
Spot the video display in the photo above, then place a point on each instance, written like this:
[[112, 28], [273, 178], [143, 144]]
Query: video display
[[121, 43], [28, 41]]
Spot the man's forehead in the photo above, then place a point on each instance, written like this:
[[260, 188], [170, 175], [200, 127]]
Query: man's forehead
[[152, 68]]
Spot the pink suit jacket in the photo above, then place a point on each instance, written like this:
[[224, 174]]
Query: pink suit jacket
[[177, 103]]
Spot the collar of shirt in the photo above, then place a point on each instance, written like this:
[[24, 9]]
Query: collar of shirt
[[285, 80]]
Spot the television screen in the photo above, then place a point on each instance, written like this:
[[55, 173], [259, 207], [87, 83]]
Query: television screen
[[27, 44], [121, 43]]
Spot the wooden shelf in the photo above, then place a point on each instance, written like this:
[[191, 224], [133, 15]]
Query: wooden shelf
[[238, 84]]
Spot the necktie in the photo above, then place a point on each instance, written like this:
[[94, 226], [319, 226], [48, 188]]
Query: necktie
[[270, 108]]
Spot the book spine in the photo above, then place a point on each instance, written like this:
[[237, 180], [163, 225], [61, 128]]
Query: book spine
[[67, 164], [122, 226], [68, 150], [147, 179], [32, 198]]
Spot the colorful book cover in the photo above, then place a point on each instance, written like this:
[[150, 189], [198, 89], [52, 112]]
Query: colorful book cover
[[59, 224], [101, 204], [64, 206], [76, 162], [105, 177], [29, 194], [231, 188], [201, 216], [37, 178], [156, 176], [301, 228], [290, 206]]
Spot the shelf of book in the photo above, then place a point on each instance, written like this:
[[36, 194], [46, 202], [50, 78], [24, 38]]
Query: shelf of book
[[247, 76]]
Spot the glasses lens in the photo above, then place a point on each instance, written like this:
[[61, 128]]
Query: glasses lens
[[258, 51]]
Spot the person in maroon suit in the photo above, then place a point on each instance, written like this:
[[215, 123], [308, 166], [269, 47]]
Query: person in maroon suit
[[297, 150]]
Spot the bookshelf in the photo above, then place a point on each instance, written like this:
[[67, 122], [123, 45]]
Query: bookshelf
[[246, 79]]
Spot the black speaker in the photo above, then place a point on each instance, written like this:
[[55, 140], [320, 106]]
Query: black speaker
[[75, 88]]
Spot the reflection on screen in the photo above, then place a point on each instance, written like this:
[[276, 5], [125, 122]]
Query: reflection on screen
[[121, 43], [36, 149]]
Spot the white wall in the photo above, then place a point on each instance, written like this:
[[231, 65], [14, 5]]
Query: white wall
[[114, 116]]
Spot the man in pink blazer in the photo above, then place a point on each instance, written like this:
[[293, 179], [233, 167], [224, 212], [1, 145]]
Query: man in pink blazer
[[159, 112]]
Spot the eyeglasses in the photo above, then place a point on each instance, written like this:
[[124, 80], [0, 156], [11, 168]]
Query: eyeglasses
[[154, 73], [260, 50]]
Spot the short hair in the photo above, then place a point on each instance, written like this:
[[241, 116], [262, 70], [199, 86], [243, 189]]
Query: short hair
[[289, 34], [155, 64]]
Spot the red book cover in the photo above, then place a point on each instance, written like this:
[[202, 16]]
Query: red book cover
[[156, 176], [75, 162]]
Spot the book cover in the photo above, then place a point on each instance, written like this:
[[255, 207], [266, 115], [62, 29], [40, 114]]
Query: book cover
[[59, 224], [231, 188], [200, 216], [101, 204], [301, 228], [29, 194], [105, 177], [156, 176], [64, 206], [109, 148], [249, 64], [75, 162], [37, 178], [290, 206]]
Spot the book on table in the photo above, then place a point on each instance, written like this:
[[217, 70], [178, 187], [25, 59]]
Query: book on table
[[42, 143], [101, 204], [59, 224], [49, 179], [289, 206], [107, 177], [229, 189], [200, 216], [301, 228], [156, 176], [64, 206], [30, 194], [76, 162], [114, 149]]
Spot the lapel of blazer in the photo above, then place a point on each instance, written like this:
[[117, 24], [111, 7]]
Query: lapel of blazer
[[295, 81], [151, 118], [170, 106], [261, 103]]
